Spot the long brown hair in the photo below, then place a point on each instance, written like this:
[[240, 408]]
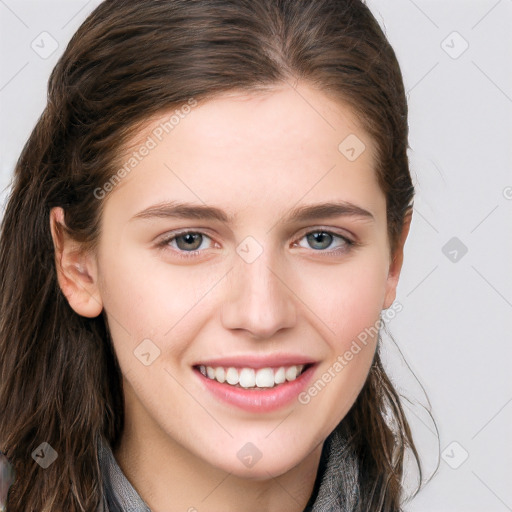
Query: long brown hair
[[60, 382]]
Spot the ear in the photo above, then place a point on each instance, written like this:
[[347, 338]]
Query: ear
[[76, 269], [396, 264]]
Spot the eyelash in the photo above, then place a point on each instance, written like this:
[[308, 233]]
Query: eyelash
[[164, 244]]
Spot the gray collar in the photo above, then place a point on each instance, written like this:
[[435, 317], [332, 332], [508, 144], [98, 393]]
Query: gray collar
[[336, 487]]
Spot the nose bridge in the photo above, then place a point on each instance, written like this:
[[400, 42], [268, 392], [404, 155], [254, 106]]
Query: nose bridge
[[258, 299]]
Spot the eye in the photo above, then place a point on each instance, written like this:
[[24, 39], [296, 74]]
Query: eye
[[188, 242], [321, 239]]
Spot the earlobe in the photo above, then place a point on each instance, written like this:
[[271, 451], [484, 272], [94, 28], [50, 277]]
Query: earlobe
[[396, 264], [76, 269]]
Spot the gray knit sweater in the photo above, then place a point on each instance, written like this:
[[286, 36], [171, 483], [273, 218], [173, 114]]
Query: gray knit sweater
[[336, 487]]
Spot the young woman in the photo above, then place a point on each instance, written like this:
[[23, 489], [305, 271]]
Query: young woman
[[204, 236]]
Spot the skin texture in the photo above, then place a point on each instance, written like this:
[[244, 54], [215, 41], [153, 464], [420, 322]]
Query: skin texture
[[256, 156]]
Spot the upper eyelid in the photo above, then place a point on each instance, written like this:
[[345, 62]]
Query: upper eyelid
[[306, 231]]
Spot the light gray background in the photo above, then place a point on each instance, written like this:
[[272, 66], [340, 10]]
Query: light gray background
[[454, 330]]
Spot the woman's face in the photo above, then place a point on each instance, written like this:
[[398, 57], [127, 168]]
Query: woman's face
[[254, 284]]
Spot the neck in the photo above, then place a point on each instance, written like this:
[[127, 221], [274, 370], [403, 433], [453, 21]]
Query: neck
[[170, 478]]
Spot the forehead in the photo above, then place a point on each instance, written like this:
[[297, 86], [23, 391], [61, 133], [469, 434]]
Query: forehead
[[263, 147], [278, 119]]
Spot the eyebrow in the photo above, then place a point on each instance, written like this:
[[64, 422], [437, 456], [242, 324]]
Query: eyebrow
[[179, 210]]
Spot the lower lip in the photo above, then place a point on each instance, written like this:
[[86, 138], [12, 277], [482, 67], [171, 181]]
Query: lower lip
[[258, 400]]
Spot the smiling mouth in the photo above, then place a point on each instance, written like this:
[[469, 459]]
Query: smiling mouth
[[252, 378]]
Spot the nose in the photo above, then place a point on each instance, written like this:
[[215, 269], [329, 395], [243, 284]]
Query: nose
[[258, 299]]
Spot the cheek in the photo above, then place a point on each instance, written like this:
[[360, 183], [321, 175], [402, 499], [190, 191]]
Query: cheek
[[147, 298], [346, 298], [350, 304]]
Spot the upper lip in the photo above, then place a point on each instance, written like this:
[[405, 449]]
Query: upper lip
[[254, 361]]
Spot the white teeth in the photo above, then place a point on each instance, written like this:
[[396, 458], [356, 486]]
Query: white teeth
[[220, 374], [265, 378], [247, 378], [251, 378], [291, 373], [280, 376], [232, 376]]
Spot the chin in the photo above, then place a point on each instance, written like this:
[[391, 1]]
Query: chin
[[261, 471], [250, 463]]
